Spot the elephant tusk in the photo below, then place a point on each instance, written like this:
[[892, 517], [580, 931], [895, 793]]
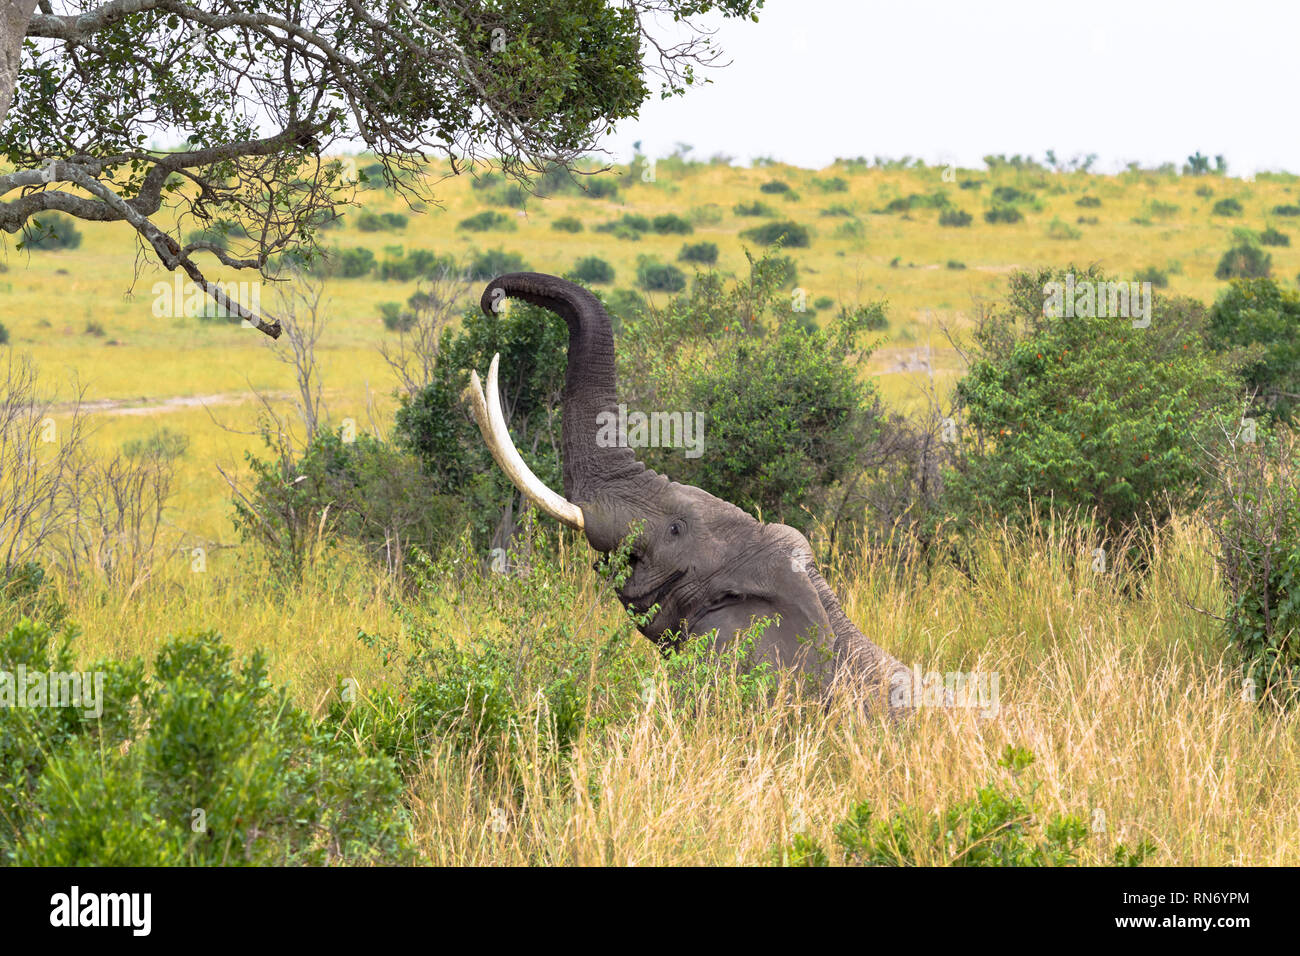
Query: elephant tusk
[[492, 423]]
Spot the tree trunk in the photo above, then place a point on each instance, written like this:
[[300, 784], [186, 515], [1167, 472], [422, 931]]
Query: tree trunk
[[14, 17]]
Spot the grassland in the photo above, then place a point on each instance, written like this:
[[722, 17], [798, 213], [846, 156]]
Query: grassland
[[1126, 697]]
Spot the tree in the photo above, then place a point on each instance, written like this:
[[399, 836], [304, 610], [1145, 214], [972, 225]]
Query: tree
[[256, 93]]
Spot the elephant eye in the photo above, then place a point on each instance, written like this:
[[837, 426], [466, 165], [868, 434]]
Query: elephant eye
[[675, 528]]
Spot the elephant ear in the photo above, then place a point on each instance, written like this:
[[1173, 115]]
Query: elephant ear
[[801, 635]]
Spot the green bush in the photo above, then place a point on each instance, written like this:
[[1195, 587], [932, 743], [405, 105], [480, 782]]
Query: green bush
[[832, 185], [592, 270], [205, 762], [1227, 207], [165, 444], [1255, 515], [956, 264], [670, 224], [1085, 412], [51, 231], [1286, 210], [705, 253], [1258, 322], [1245, 260], [1088, 202], [488, 220], [954, 217], [597, 188], [1000, 825], [754, 208], [350, 263], [1060, 229], [774, 186], [1002, 213], [367, 491], [4, 334], [654, 276], [1158, 278], [629, 226], [567, 224], [789, 234], [1274, 237], [368, 221], [494, 262]]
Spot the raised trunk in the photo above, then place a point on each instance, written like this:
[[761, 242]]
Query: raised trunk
[[855, 653], [590, 379]]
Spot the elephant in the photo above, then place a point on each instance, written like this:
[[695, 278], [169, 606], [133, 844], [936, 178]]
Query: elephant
[[698, 563]]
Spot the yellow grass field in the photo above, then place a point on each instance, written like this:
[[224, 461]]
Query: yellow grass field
[[1126, 698]]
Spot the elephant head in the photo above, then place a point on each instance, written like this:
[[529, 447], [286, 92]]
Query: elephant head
[[703, 563]]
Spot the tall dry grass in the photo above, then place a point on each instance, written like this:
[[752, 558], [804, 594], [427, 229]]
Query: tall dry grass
[[1126, 695]]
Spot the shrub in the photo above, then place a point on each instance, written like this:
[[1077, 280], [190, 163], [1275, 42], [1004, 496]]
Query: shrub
[[1155, 209], [494, 262], [396, 318], [567, 224], [997, 826], [1088, 202], [488, 220], [1158, 278], [1002, 213], [629, 226], [212, 765], [593, 270], [597, 188], [839, 209], [1227, 207], [671, 224], [1258, 322], [832, 185], [368, 221], [705, 253], [1245, 260], [4, 334], [512, 195], [1086, 412], [1274, 237], [1060, 229], [1255, 514], [754, 208], [655, 276], [789, 234], [165, 443], [1010, 194], [1286, 210], [774, 186], [710, 214], [352, 263], [954, 217], [956, 264], [51, 231]]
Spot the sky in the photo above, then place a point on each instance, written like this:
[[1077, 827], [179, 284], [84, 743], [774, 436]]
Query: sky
[[951, 82]]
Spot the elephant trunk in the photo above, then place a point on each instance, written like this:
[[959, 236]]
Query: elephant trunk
[[590, 380], [858, 659]]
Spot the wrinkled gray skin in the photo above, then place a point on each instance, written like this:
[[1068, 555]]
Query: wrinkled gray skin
[[706, 563]]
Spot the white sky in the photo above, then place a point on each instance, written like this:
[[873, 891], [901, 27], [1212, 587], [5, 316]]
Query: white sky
[[953, 81]]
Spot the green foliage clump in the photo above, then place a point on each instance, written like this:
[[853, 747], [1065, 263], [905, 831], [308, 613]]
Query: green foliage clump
[[166, 444], [671, 224], [630, 226], [1085, 412], [998, 826], [1245, 260], [50, 231], [204, 762], [1060, 229], [1227, 207], [567, 224], [1258, 321], [1255, 516], [954, 217], [1088, 202], [655, 276], [1001, 212], [592, 270], [494, 262], [705, 253], [789, 234], [1286, 210], [834, 184], [1159, 278], [755, 208], [1274, 237], [487, 221], [368, 221]]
